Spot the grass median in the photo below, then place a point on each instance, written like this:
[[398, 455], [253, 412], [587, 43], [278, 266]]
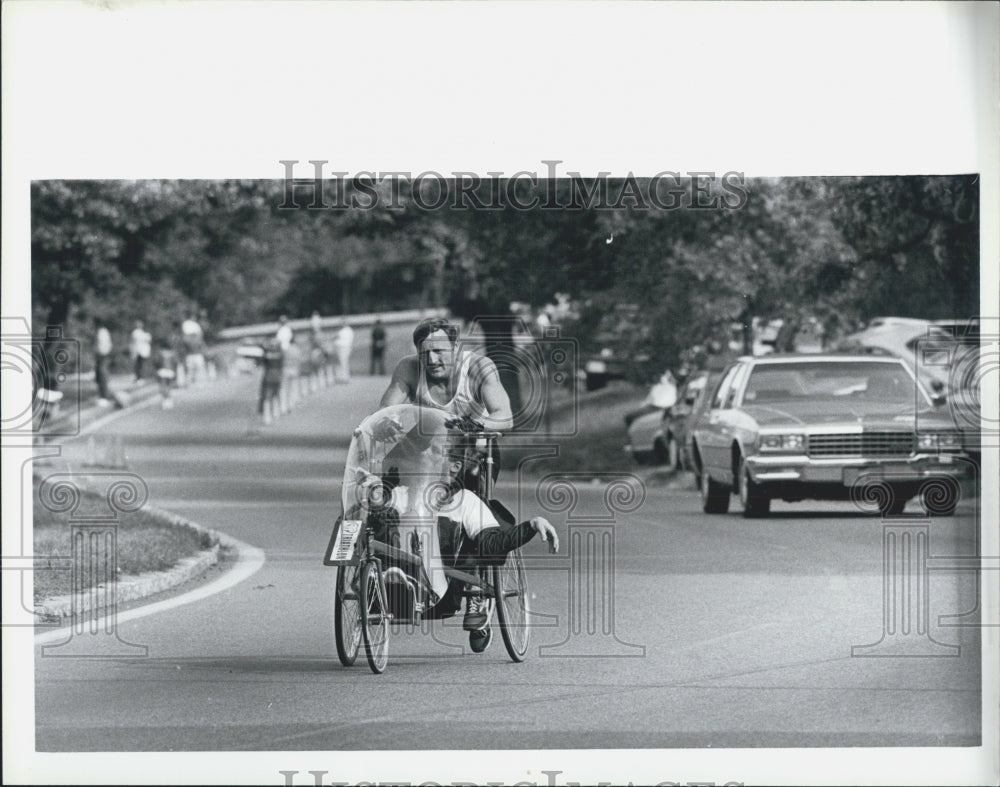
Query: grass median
[[590, 434], [144, 543]]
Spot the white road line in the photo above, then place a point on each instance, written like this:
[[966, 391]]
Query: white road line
[[249, 561]]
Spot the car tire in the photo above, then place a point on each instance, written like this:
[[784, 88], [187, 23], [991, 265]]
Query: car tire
[[714, 496], [895, 504], [752, 499], [939, 497], [596, 381]]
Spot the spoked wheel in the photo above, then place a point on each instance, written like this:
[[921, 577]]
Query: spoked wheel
[[347, 614], [374, 619], [510, 586]]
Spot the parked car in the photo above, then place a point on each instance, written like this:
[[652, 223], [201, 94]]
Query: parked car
[[793, 427], [902, 337], [660, 434], [945, 355], [699, 406]]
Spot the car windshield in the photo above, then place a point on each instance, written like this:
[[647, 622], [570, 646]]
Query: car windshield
[[888, 383]]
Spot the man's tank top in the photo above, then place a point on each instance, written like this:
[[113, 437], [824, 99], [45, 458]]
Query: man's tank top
[[464, 401]]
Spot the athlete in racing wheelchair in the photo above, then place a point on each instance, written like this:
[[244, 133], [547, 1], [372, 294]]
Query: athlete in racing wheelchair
[[417, 479]]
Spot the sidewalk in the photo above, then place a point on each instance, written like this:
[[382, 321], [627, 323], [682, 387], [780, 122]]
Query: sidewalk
[[76, 413]]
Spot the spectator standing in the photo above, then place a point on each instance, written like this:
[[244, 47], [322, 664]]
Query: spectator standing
[[140, 347], [269, 404], [344, 344], [290, 376], [194, 349], [166, 373], [180, 351], [378, 348], [102, 361], [316, 322], [213, 360], [318, 362], [284, 334]]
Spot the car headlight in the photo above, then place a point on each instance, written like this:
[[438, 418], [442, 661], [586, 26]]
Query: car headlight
[[943, 442], [950, 442], [782, 442]]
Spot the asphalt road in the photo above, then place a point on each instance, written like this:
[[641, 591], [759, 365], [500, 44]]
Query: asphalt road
[[655, 627]]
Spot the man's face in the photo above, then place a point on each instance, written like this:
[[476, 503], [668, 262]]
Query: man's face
[[437, 356]]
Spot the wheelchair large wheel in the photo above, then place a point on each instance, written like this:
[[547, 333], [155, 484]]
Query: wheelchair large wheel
[[374, 619], [510, 586], [347, 614]]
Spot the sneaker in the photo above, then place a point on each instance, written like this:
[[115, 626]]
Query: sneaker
[[478, 611], [480, 640]]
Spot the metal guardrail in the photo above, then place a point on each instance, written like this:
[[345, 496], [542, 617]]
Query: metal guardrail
[[328, 323]]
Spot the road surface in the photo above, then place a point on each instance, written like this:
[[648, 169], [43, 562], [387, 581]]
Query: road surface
[[697, 631]]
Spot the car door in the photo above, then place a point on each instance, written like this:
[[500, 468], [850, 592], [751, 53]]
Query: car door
[[681, 409], [712, 432]]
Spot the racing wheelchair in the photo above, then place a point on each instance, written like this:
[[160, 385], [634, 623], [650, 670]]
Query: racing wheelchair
[[406, 464]]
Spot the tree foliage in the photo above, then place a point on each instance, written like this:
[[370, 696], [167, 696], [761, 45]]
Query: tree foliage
[[836, 249]]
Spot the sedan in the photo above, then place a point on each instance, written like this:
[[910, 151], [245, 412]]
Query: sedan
[[659, 434], [826, 427]]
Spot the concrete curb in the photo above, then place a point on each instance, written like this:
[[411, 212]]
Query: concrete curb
[[93, 412], [133, 588]]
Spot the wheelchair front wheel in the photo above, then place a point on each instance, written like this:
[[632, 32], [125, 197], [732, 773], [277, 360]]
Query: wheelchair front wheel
[[347, 623], [510, 587], [374, 618]]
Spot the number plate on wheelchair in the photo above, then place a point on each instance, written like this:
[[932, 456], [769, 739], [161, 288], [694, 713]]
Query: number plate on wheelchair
[[345, 538]]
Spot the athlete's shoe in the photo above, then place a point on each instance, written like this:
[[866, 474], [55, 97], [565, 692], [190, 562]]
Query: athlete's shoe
[[478, 610], [480, 639]]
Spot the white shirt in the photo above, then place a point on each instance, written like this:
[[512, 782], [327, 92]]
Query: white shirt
[[190, 327], [465, 507], [142, 343], [345, 338], [104, 345], [284, 336]]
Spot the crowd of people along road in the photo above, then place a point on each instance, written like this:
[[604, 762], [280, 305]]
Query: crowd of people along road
[[294, 366], [176, 361]]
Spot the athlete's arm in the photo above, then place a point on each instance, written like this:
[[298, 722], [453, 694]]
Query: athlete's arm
[[403, 385], [492, 544], [493, 396]]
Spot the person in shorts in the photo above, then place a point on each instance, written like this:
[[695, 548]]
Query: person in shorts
[[269, 401], [166, 373]]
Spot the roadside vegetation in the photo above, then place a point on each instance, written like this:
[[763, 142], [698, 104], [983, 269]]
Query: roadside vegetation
[[836, 250], [145, 543], [590, 437]]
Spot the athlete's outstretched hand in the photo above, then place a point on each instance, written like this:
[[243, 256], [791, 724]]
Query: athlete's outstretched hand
[[387, 429], [548, 533]]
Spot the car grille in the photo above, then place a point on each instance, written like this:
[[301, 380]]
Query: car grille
[[864, 444]]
